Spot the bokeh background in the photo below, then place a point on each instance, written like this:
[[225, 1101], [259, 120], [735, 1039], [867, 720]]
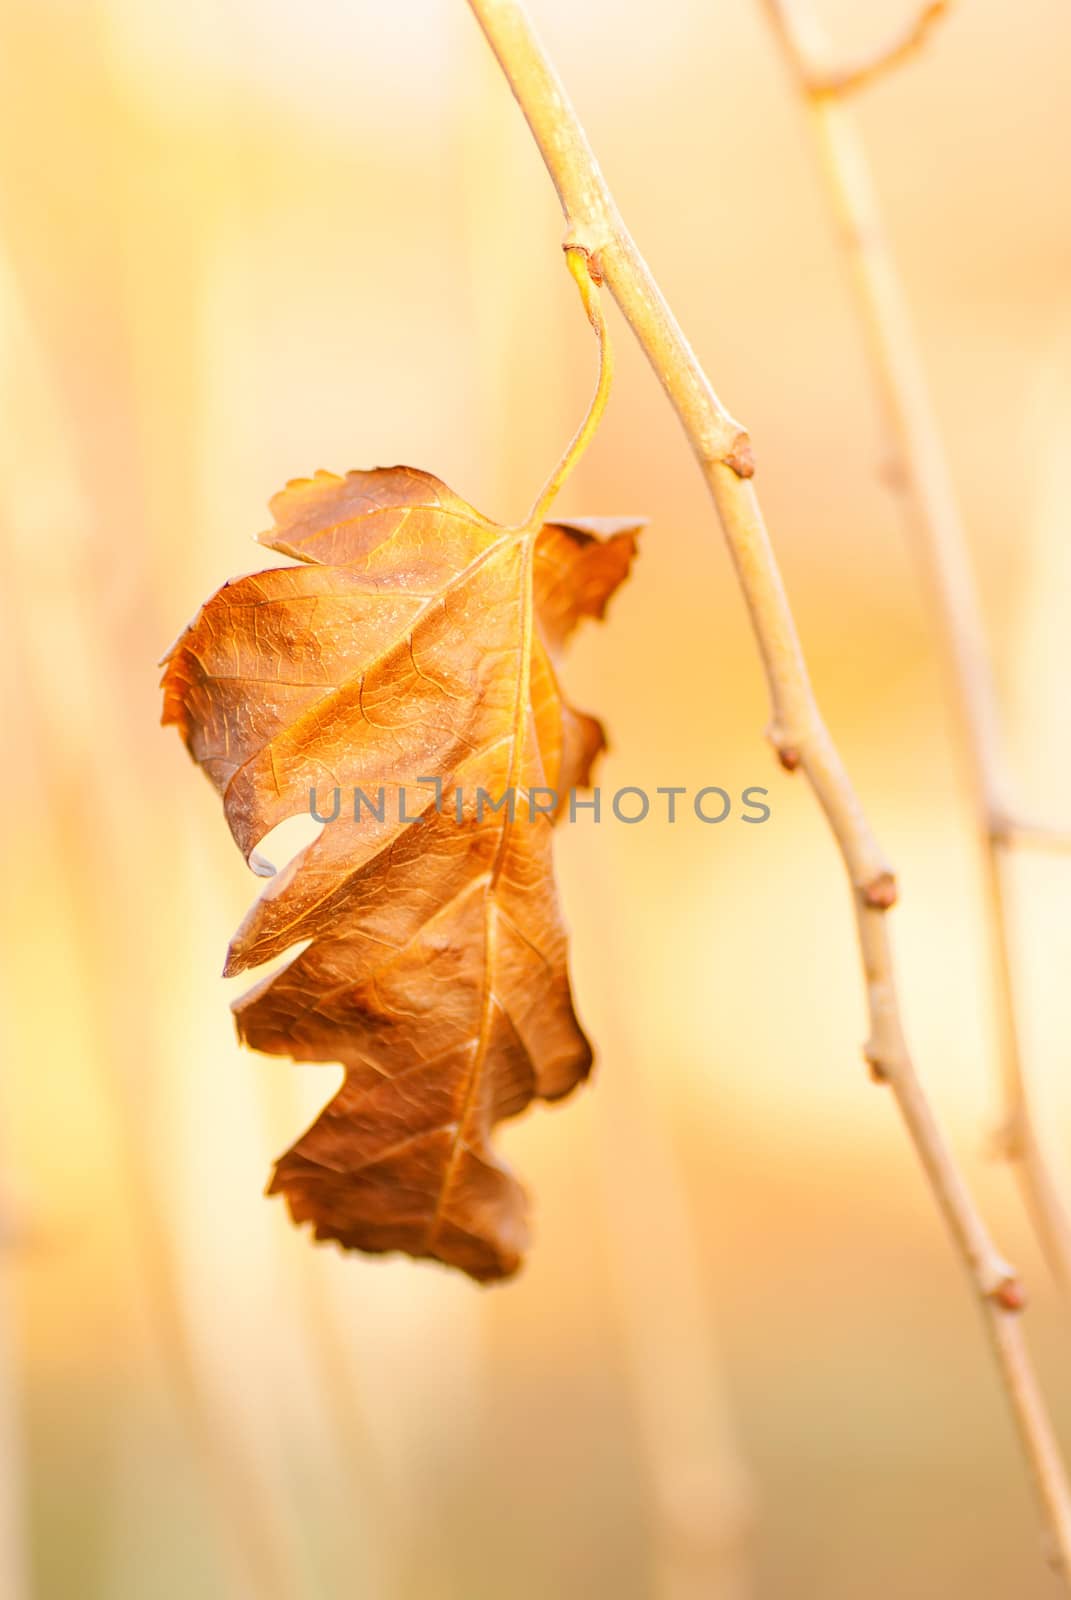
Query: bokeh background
[[240, 240]]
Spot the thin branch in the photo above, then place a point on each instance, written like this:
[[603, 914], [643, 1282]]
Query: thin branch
[[944, 557], [701, 1498], [856, 74], [1026, 834], [798, 732]]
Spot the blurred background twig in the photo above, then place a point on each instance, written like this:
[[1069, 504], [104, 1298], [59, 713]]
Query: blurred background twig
[[921, 468], [79, 760]]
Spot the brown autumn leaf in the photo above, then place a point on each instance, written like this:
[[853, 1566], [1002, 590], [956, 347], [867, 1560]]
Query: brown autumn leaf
[[418, 641]]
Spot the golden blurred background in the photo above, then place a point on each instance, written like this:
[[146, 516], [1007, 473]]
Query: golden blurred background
[[243, 240]]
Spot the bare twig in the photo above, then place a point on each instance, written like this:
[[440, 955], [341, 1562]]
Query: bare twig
[[701, 1496], [945, 560], [822, 80], [798, 732], [1027, 834]]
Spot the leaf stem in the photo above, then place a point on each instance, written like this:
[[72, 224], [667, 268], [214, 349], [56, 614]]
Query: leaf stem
[[587, 277], [798, 731]]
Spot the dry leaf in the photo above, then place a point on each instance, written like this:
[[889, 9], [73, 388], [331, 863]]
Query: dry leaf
[[419, 640]]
